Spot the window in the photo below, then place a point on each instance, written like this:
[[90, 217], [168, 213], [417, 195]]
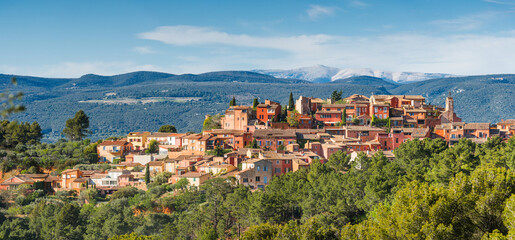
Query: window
[[194, 179], [258, 179], [265, 180], [286, 161], [257, 168], [245, 180], [277, 162], [396, 140], [277, 170], [265, 169], [375, 109]]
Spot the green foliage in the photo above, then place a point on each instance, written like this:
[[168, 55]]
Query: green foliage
[[255, 103], [77, 127], [13, 134], [291, 103], [147, 174], [339, 160], [212, 122], [132, 236], [153, 146], [126, 192], [232, 102], [167, 129], [336, 96], [253, 144], [430, 191], [292, 119]]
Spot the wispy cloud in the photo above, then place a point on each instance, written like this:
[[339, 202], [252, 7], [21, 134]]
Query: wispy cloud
[[468, 22], [358, 3], [500, 2], [191, 35], [458, 54], [144, 50], [315, 12]]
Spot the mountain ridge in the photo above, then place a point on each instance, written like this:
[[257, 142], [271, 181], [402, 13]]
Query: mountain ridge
[[322, 73]]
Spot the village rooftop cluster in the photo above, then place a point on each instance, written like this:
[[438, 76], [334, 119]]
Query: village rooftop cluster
[[257, 143]]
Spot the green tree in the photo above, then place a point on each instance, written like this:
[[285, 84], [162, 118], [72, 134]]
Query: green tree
[[339, 160], [167, 129], [255, 103], [218, 151], [232, 102], [336, 96], [292, 119], [212, 122], [147, 174], [153, 146], [77, 127], [291, 103]]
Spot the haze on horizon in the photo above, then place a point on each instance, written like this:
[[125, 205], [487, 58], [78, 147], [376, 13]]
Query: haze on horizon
[[70, 39]]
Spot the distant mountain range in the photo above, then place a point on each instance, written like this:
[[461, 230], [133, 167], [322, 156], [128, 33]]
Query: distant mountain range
[[321, 74], [140, 101]]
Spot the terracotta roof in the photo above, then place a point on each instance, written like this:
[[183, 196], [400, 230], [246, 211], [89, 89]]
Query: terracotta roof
[[323, 111], [477, 126], [225, 131], [53, 178], [156, 163], [334, 105], [192, 174], [419, 110], [158, 135], [113, 143], [98, 176], [363, 128], [274, 133], [81, 180], [193, 136]]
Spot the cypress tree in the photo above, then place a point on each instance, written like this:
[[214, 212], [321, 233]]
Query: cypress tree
[[232, 102], [255, 103], [291, 104], [147, 174]]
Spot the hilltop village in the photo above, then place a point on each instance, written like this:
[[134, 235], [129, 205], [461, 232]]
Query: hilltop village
[[253, 144]]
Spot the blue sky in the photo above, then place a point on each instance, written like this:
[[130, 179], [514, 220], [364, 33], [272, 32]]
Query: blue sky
[[72, 38]]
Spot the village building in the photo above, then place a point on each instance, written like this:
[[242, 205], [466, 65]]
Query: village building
[[109, 151], [138, 140]]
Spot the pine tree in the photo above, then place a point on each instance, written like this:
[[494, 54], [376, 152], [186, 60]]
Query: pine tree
[[232, 102], [147, 174], [77, 127], [291, 103]]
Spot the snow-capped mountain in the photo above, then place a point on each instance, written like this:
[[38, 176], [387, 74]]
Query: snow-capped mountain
[[318, 73], [321, 73]]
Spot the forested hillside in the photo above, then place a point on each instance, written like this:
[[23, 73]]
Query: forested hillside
[[146, 100], [429, 191]]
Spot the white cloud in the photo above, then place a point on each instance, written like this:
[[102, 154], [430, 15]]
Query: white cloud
[[457, 54], [500, 2], [190, 35], [144, 50], [469, 22], [314, 12], [358, 3]]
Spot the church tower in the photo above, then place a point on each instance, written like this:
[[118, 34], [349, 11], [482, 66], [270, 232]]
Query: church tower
[[449, 110]]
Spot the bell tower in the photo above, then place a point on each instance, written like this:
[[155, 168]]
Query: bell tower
[[449, 107]]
